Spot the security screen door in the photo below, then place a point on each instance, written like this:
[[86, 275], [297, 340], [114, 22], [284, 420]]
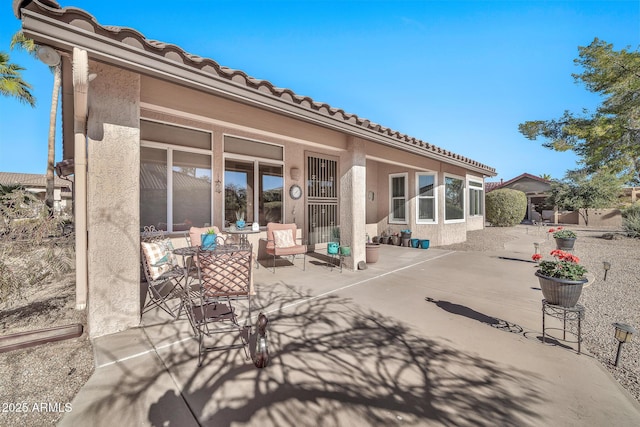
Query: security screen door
[[322, 199]]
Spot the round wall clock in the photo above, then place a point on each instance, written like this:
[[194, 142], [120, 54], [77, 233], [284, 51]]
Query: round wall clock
[[295, 191]]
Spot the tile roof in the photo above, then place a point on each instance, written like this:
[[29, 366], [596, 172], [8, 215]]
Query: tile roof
[[131, 37], [494, 185], [32, 180]]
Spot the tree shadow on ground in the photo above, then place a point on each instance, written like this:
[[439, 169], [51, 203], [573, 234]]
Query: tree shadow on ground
[[334, 363], [462, 310]]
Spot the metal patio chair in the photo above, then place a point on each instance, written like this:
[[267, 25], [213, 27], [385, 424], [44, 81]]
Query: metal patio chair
[[164, 276], [224, 278]]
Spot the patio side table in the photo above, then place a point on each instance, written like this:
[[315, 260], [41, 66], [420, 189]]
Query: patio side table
[[568, 315]]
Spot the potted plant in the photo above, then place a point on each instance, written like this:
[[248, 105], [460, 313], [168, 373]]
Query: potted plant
[[394, 239], [208, 239], [561, 279], [240, 219], [565, 239]]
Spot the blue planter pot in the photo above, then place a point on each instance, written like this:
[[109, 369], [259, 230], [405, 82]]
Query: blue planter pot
[[415, 243], [240, 224], [332, 248], [424, 244], [208, 241]]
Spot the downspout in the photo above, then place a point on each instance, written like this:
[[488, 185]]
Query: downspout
[[80, 108]]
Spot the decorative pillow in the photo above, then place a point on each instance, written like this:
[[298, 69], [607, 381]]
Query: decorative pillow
[[160, 257], [283, 238]]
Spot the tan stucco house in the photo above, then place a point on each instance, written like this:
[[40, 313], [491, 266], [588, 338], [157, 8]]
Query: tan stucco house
[[164, 137]]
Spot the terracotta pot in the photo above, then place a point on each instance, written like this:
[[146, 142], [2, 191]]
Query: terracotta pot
[[565, 293], [372, 252]]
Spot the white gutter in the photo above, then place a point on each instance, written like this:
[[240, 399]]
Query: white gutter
[[80, 95]]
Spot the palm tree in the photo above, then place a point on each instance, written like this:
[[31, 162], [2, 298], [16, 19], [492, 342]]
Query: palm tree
[[545, 176], [11, 82], [28, 45]]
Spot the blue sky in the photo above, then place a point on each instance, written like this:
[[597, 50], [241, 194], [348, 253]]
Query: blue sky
[[460, 75]]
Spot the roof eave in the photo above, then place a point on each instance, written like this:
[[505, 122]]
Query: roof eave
[[64, 37]]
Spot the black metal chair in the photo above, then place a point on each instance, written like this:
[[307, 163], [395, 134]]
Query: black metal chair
[[224, 278]]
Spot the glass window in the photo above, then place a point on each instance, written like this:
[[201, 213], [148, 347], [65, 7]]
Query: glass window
[[398, 199], [238, 190], [153, 188], [191, 190], [426, 197], [189, 201], [476, 198], [270, 196], [263, 205], [454, 198]]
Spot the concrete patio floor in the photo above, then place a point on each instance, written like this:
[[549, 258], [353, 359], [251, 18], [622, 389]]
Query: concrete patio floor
[[423, 337]]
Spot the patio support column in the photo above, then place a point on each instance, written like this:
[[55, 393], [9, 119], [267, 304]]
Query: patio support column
[[353, 180], [80, 99], [113, 200]]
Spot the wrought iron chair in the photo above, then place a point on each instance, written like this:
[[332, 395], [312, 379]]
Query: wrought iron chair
[[163, 274], [281, 241], [224, 277]]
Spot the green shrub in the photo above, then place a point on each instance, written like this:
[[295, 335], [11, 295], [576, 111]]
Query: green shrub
[[505, 207], [631, 220]]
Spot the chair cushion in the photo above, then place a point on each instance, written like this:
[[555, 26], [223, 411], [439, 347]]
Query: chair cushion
[[159, 257], [283, 238], [195, 232]]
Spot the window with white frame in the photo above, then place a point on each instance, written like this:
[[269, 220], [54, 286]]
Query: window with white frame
[[398, 198], [454, 198], [426, 205], [253, 181], [175, 176], [175, 188], [476, 198]]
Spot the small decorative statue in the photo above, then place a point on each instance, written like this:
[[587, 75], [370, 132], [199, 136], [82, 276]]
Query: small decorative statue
[[261, 358]]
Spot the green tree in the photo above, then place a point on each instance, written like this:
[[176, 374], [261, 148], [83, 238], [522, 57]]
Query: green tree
[[609, 138], [545, 176], [11, 82], [581, 192], [28, 45]]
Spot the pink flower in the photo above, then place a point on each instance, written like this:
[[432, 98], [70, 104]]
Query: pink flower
[[552, 230], [536, 257]]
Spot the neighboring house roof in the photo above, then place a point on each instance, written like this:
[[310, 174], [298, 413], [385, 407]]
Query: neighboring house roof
[[31, 180], [155, 58], [526, 182]]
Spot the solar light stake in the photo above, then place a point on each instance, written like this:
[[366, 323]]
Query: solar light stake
[[623, 334], [607, 266], [536, 246]]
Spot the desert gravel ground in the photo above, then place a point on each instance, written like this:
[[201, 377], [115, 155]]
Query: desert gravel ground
[[43, 380], [38, 383]]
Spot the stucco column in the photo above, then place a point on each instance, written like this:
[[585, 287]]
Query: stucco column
[[113, 211], [353, 180]]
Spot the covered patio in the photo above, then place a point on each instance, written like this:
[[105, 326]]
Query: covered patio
[[422, 337]]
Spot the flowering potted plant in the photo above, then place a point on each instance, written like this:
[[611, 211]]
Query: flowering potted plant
[[565, 239], [561, 279]]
